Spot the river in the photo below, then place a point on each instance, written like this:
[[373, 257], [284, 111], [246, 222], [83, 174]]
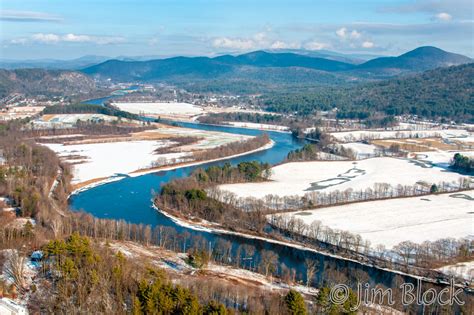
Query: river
[[130, 199]]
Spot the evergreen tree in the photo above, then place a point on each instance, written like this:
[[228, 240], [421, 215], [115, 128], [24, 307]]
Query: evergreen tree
[[295, 303]]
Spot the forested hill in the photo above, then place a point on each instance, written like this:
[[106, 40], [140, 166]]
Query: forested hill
[[264, 69], [44, 82], [419, 59], [444, 92]]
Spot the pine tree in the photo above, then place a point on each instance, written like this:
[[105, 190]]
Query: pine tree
[[295, 303]]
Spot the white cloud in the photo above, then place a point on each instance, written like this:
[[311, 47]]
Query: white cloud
[[314, 45], [282, 45], [51, 38], [233, 43], [342, 32], [355, 34], [368, 44], [260, 37], [443, 16], [45, 38]]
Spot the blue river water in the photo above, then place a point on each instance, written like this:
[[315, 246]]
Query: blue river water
[[130, 199]]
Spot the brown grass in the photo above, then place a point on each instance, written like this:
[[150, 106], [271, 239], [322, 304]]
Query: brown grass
[[418, 145]]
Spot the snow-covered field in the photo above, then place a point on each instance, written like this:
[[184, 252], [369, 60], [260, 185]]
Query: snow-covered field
[[362, 150], [210, 139], [464, 270], [359, 135], [440, 158], [257, 126], [390, 222], [160, 108], [107, 159], [299, 178], [69, 120]]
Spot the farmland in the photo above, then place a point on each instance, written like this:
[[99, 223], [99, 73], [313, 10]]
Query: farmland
[[100, 157], [159, 109], [389, 222], [360, 135], [300, 178]]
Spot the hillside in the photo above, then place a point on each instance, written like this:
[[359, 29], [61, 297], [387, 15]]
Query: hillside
[[267, 70], [444, 92], [181, 69], [419, 59], [44, 82]]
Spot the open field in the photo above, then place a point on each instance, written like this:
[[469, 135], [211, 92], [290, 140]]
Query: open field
[[100, 157], [299, 178], [257, 126], [390, 222], [99, 160], [439, 158], [464, 270], [19, 112], [70, 120], [362, 150], [425, 144], [360, 135], [164, 110]]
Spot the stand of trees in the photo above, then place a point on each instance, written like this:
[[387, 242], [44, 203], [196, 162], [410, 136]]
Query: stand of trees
[[232, 148], [315, 199], [404, 256], [322, 147], [88, 109], [463, 163]]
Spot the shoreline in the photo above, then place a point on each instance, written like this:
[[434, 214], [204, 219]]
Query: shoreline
[[219, 230], [102, 181], [232, 126]]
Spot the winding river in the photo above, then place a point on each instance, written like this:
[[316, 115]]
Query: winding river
[[130, 199]]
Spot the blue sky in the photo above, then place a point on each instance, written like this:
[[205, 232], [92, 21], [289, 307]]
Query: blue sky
[[33, 29]]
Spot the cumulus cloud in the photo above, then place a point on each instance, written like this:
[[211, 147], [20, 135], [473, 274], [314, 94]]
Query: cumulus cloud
[[368, 44], [353, 38], [51, 38], [314, 45], [233, 43], [27, 16], [284, 45], [344, 33], [443, 16]]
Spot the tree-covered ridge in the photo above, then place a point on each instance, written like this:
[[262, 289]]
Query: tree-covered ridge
[[86, 277], [441, 93], [88, 109], [45, 82]]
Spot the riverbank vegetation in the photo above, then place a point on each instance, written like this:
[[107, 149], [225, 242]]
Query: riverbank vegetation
[[232, 148]]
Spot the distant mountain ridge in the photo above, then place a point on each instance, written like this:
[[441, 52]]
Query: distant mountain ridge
[[228, 67], [417, 60], [45, 82]]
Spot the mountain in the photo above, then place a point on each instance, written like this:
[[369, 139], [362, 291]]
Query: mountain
[[354, 59], [44, 82], [267, 59], [417, 60], [268, 68], [226, 66]]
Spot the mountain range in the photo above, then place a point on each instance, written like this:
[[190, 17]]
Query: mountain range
[[254, 66]]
